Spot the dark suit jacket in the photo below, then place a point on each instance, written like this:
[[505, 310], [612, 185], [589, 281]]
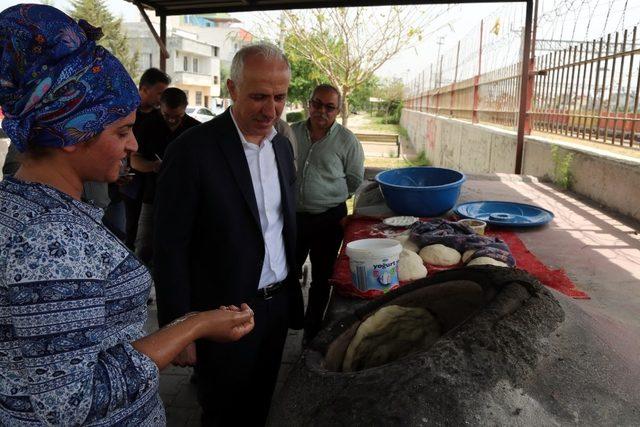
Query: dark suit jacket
[[208, 244]]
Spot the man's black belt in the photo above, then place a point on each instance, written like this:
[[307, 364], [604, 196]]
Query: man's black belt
[[270, 290]]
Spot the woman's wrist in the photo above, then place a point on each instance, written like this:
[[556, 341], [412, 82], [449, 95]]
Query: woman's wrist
[[190, 323]]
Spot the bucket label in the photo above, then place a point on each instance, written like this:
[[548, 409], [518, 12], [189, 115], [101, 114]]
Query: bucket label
[[380, 275]]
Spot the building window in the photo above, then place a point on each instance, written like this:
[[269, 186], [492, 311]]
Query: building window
[[185, 64], [235, 46], [215, 80], [195, 65], [150, 60], [198, 98], [216, 51]]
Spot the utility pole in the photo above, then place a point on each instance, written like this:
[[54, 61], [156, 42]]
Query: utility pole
[[440, 42], [281, 38]]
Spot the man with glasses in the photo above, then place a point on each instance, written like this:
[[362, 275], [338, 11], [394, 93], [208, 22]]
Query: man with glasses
[[330, 169], [154, 136]]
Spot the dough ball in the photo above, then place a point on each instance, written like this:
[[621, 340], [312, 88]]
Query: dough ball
[[407, 243], [485, 260], [467, 254], [411, 266], [390, 333], [440, 255]]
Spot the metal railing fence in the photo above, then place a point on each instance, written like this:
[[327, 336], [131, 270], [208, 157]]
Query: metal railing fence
[[589, 91]]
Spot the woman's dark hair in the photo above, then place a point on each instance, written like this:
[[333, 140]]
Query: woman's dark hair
[[35, 151], [153, 76], [173, 98]]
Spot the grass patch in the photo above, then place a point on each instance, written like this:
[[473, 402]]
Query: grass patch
[[420, 160], [384, 162], [396, 162], [377, 124], [562, 162]]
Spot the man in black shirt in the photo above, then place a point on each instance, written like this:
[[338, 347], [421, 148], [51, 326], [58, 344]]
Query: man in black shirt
[[152, 84], [154, 136]]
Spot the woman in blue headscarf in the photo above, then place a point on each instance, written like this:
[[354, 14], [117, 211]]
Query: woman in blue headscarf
[[72, 297]]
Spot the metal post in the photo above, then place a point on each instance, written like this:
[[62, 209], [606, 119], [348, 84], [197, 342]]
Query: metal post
[[524, 87], [163, 36], [420, 91], [162, 41], [476, 80], [455, 80], [532, 69]]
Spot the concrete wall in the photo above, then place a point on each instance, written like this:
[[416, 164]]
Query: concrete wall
[[610, 179]]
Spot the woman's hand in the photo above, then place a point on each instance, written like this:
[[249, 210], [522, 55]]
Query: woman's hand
[[225, 324]]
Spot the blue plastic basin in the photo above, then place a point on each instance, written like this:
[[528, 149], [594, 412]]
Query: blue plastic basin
[[421, 191]]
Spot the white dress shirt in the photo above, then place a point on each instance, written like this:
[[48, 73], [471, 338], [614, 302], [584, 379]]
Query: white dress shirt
[[266, 186]]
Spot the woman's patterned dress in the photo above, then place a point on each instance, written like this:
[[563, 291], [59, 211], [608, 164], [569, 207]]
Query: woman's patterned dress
[[72, 299]]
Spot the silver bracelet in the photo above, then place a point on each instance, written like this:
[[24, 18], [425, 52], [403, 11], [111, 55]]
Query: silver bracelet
[[182, 319]]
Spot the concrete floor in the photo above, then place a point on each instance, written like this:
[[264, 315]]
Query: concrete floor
[[599, 250]]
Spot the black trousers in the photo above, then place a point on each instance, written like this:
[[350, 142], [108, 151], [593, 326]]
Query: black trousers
[[236, 380], [132, 209], [319, 236]]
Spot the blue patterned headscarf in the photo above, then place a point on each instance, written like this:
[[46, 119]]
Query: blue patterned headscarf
[[57, 87]]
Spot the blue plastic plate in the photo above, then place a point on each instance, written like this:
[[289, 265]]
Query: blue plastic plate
[[506, 214]]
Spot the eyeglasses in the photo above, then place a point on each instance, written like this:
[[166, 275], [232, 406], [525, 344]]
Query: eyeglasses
[[329, 108]]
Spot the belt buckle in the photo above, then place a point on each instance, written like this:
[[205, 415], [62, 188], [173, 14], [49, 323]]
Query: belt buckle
[[267, 294]]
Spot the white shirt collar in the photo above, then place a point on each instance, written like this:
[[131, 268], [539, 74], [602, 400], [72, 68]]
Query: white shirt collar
[[244, 141]]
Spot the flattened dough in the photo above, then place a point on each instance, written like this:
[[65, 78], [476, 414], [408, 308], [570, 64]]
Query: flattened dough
[[407, 243], [485, 260], [410, 266], [440, 255], [390, 333]]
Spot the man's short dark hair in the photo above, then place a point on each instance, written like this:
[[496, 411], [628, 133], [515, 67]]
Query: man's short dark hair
[[173, 98], [153, 76], [326, 86]]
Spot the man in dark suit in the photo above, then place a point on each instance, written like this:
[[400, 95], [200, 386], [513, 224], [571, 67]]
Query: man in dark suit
[[225, 234]]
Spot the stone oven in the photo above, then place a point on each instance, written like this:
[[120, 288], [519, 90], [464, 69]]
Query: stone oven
[[492, 325]]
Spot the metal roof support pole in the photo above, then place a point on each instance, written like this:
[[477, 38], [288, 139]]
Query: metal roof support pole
[[163, 42], [523, 115], [164, 54], [476, 80]]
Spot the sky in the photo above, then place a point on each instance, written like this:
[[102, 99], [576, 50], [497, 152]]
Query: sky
[[443, 26]]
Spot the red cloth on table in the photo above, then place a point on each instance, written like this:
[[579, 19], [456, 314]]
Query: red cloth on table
[[363, 227]]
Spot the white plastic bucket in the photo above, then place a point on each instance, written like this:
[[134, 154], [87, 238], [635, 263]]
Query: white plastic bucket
[[374, 263]]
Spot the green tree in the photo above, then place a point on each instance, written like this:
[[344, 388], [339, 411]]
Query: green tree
[[359, 99], [305, 76], [224, 76], [96, 13], [392, 91], [348, 45]]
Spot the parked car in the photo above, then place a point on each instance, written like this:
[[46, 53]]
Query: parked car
[[202, 114]]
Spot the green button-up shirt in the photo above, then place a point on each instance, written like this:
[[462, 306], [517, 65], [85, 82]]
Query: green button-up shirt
[[329, 170]]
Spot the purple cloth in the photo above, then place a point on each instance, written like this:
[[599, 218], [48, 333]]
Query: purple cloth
[[57, 87], [461, 238]]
